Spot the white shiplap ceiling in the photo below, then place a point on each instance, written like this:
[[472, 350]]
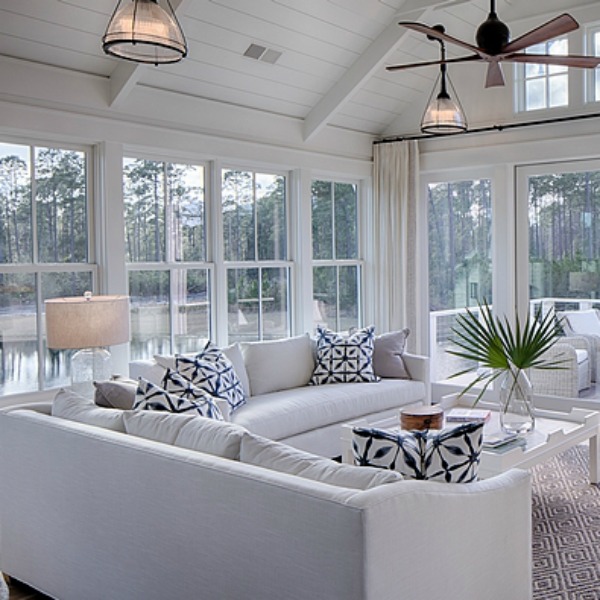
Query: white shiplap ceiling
[[333, 52]]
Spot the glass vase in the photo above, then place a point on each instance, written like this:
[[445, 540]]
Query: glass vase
[[516, 407]]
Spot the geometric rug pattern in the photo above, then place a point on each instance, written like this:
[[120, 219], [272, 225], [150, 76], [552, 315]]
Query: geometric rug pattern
[[566, 529]]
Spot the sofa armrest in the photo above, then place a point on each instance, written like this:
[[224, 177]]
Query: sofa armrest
[[469, 540], [418, 369]]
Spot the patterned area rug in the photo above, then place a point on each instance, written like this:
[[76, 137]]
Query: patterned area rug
[[566, 529]]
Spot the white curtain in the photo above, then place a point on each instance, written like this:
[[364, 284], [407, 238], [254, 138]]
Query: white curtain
[[396, 177]]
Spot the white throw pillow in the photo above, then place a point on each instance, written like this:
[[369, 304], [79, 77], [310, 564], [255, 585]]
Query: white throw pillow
[[279, 364], [584, 321], [69, 405], [279, 457]]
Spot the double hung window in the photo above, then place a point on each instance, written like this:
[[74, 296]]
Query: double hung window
[[169, 276], [45, 252], [255, 249], [336, 262]]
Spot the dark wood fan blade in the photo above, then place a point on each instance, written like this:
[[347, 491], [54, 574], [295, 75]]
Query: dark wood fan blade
[[494, 77], [438, 35], [569, 60], [555, 27], [433, 62]]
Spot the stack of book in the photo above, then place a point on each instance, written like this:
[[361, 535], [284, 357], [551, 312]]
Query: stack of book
[[463, 415]]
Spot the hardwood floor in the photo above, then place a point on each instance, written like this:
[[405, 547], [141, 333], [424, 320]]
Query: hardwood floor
[[20, 591]]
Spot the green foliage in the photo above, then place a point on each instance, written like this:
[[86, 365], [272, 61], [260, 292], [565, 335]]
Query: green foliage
[[158, 195], [460, 230], [497, 347]]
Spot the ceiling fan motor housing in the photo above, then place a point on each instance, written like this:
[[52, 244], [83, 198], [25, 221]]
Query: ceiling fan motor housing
[[492, 35]]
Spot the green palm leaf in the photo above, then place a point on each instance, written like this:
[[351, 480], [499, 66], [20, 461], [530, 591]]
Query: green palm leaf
[[498, 347]]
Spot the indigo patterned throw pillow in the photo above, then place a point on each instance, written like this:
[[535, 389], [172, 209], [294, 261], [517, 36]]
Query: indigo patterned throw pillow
[[451, 455], [213, 372], [344, 359], [152, 397]]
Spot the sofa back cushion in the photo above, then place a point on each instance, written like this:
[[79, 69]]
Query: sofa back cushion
[[268, 454], [218, 438], [278, 365], [69, 405]]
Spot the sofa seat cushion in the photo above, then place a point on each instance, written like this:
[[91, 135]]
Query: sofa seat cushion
[[283, 414], [262, 452]]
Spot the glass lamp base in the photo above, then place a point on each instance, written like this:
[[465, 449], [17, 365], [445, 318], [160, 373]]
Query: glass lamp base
[[89, 365]]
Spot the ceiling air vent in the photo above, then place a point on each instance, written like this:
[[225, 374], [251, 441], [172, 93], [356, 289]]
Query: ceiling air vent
[[262, 53]]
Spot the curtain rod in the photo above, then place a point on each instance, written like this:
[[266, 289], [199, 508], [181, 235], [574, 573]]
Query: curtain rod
[[426, 136]]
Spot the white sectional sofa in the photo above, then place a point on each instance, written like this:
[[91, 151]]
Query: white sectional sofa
[[90, 512], [282, 406]]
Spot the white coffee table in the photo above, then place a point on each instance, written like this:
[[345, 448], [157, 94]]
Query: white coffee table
[[554, 432]]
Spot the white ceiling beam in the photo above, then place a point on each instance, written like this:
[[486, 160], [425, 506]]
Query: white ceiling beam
[[366, 65], [122, 80], [127, 74]]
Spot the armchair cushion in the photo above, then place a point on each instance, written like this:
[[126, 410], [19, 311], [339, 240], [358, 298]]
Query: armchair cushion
[[583, 321]]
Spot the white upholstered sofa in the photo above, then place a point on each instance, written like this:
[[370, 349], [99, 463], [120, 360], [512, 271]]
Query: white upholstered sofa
[[282, 406], [96, 513]]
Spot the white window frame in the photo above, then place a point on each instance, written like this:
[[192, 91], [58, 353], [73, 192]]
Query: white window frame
[[592, 76], [37, 268], [521, 79], [224, 266], [169, 264], [359, 262]]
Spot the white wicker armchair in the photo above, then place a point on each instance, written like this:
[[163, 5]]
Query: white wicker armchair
[[574, 374], [584, 323]]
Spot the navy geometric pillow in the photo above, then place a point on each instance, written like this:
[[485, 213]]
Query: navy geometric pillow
[[212, 371], [152, 397], [179, 386], [342, 359], [451, 455]]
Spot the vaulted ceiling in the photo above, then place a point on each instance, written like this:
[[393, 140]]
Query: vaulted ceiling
[[330, 71]]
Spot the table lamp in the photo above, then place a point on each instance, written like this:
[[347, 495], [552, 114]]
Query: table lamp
[[88, 324]]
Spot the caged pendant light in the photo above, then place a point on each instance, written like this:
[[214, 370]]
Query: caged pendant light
[[145, 31], [443, 115]]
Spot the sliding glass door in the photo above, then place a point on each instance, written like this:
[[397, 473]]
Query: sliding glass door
[[559, 231], [460, 261]]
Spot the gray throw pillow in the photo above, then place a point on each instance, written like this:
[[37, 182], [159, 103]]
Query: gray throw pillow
[[387, 355], [115, 393]]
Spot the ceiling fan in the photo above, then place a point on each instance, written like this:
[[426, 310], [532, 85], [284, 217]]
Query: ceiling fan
[[494, 45]]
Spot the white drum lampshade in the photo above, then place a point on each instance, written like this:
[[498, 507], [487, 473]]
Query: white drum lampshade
[[88, 324]]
